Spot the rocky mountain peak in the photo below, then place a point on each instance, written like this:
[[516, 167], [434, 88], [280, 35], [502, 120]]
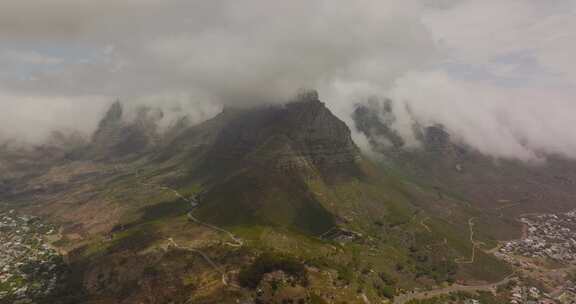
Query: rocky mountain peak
[[308, 96], [116, 137], [111, 121], [302, 134], [113, 115], [375, 121]]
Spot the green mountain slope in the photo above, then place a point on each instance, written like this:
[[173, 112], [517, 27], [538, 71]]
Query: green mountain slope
[[267, 204]]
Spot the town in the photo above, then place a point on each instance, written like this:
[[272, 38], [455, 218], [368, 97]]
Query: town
[[548, 236], [29, 268], [547, 253]]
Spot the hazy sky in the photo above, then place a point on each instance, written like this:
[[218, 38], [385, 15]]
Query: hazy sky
[[497, 73]]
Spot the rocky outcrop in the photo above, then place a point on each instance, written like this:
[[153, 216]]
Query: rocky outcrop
[[109, 125], [317, 135], [300, 135], [375, 121], [116, 137]]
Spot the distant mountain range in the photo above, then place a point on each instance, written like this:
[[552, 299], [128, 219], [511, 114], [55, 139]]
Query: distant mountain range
[[483, 180]]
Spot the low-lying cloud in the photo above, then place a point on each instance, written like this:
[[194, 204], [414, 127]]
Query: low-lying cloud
[[522, 123]]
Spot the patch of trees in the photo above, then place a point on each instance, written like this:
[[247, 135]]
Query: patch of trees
[[386, 287], [427, 264], [385, 291], [268, 262]]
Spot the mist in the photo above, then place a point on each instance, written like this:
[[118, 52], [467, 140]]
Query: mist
[[461, 63]]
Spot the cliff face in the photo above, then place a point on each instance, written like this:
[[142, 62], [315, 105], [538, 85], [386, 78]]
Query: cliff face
[[318, 136], [257, 163], [375, 121], [109, 125], [254, 164], [301, 135]]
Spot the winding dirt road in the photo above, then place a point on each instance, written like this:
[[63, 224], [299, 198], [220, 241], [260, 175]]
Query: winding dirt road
[[444, 291], [225, 279], [236, 242]]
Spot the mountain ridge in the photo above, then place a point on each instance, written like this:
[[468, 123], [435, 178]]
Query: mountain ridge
[[286, 179]]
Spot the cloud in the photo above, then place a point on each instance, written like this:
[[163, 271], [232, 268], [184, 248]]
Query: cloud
[[519, 123], [486, 33], [221, 51], [490, 70], [31, 119], [238, 52], [507, 84], [28, 57]]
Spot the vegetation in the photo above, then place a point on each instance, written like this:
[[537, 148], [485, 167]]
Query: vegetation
[[459, 297], [571, 276], [385, 291], [316, 299], [269, 262]]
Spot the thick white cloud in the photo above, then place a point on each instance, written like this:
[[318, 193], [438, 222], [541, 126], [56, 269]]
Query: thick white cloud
[[221, 51], [487, 32], [27, 57], [499, 74], [30, 118], [513, 93], [514, 123]]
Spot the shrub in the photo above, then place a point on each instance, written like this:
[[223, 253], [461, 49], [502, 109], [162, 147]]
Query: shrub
[[268, 262]]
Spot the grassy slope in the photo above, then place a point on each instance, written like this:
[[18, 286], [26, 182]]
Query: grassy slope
[[286, 213], [387, 210]]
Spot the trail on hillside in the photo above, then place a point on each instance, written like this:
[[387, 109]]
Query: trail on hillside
[[192, 201], [225, 279], [473, 242], [456, 287], [423, 224], [236, 242]]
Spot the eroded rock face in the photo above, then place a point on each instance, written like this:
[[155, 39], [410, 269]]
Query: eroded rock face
[[108, 126], [116, 137], [375, 120], [319, 135], [302, 134]]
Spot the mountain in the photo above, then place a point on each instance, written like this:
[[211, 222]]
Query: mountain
[[265, 204], [505, 188], [263, 159], [116, 138], [300, 136]]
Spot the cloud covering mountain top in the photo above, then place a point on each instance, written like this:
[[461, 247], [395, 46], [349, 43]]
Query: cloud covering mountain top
[[468, 64]]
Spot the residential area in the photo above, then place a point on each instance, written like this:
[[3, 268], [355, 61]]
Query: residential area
[[546, 253], [30, 268], [546, 236]]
